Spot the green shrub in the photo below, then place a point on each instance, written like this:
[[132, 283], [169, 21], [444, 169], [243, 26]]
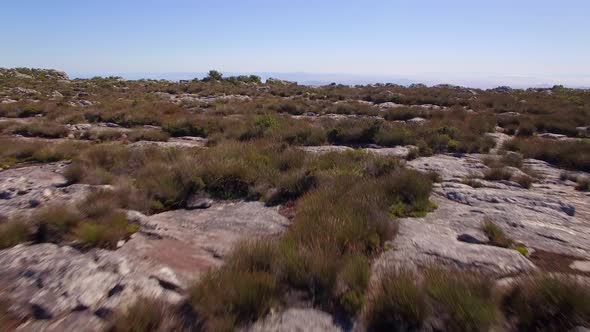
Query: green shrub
[[105, 231], [573, 154], [55, 222], [147, 315], [465, 300], [45, 129], [524, 181], [397, 303], [548, 303], [227, 298], [410, 190], [512, 159], [522, 250], [495, 234], [497, 174], [183, 128], [403, 113], [583, 184], [148, 135], [13, 232], [351, 282]]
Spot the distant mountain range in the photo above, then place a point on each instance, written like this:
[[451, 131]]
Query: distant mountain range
[[483, 81]]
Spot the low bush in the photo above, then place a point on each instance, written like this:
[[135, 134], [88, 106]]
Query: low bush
[[512, 159], [104, 232], [13, 232], [155, 135], [226, 298], [403, 113], [94, 222], [568, 154], [183, 128], [147, 315], [583, 184], [524, 181], [495, 234], [548, 303], [497, 174], [397, 303], [42, 129], [465, 300]]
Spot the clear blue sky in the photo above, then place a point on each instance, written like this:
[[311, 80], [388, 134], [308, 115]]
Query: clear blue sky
[[538, 38]]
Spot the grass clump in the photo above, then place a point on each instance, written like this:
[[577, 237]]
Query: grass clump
[[464, 301], [497, 174], [574, 154], [155, 135], [227, 297], [524, 181], [147, 315], [183, 128], [13, 232], [583, 184], [548, 303], [44, 129], [94, 222], [13, 151], [495, 234], [397, 303]]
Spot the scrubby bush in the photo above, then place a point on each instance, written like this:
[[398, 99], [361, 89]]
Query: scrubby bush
[[147, 315], [495, 234], [13, 232], [42, 129], [583, 184], [569, 154], [403, 113], [397, 303], [465, 300], [524, 181], [548, 303], [226, 298], [183, 128], [497, 174]]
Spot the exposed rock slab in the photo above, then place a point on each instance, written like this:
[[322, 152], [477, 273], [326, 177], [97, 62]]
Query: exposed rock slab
[[57, 285], [551, 216], [296, 320], [61, 288], [25, 188], [191, 241]]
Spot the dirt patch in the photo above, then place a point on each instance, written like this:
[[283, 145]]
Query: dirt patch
[[554, 262]]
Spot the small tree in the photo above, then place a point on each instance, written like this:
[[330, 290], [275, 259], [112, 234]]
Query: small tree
[[214, 75]]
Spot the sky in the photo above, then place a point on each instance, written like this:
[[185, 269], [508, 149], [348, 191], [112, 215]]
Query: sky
[[531, 42]]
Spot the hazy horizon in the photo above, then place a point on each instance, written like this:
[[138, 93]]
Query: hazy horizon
[[479, 44], [480, 81]]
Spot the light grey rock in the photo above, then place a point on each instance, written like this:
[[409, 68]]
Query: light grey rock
[[552, 136], [296, 320], [24, 91], [191, 241], [39, 184], [583, 266], [175, 142], [398, 151], [323, 149], [551, 216], [198, 202], [416, 120], [53, 282], [389, 104]]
